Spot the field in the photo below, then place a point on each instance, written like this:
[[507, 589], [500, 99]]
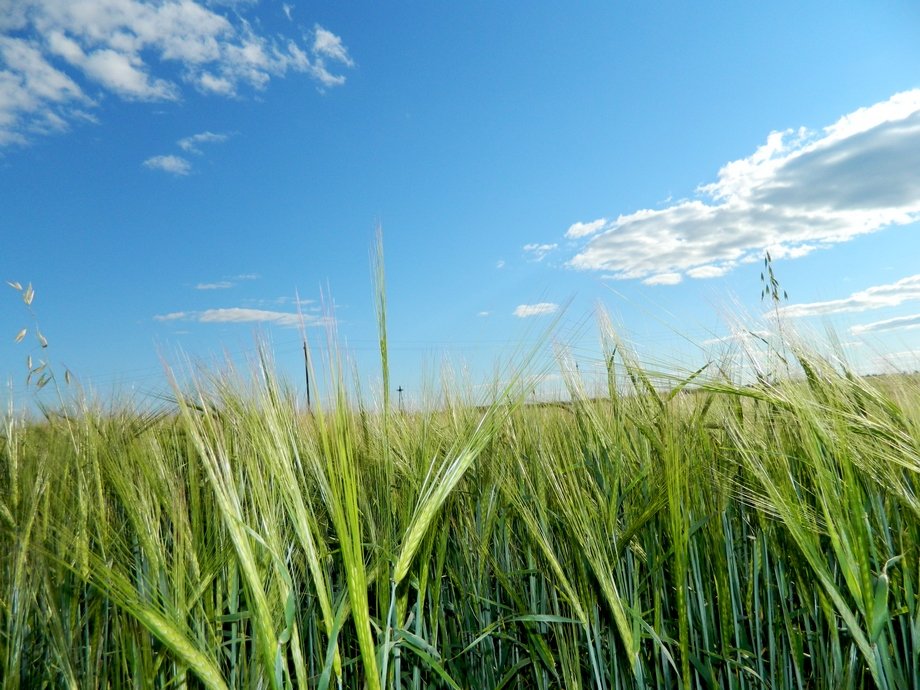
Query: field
[[699, 534]]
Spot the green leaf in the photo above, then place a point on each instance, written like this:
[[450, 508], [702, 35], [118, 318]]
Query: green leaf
[[433, 663]]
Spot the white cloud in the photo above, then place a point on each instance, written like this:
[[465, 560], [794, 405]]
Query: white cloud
[[178, 165], [708, 271], [172, 316], [577, 230], [171, 164], [191, 144], [887, 324], [484, 313], [210, 83], [121, 72], [500, 263], [227, 283], [664, 279], [243, 315], [540, 309], [799, 192], [896, 362], [29, 85], [877, 297], [539, 251], [285, 299], [139, 50], [327, 45], [743, 336], [240, 315]]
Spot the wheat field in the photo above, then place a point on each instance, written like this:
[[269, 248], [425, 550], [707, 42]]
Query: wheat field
[[700, 534]]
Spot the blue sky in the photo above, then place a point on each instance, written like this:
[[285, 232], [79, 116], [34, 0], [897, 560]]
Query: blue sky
[[175, 175]]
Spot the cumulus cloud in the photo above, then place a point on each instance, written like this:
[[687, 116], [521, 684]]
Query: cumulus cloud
[[192, 144], [120, 71], [887, 324], [53, 51], [171, 164], [540, 309], [799, 192], [877, 297], [243, 315], [538, 252]]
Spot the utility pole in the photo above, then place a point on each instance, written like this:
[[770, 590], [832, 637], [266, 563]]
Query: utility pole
[[400, 391]]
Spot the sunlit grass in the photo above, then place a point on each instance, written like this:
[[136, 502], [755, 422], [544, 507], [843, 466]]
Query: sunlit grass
[[710, 534]]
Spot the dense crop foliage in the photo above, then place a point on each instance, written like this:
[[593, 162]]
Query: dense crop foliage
[[760, 536]]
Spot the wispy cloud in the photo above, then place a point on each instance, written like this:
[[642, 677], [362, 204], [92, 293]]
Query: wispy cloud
[[877, 297], [172, 316], [799, 192], [309, 305], [664, 279], [887, 325], [243, 315], [240, 315], [192, 144], [538, 252], [35, 97], [577, 230], [53, 51], [484, 313], [708, 271], [743, 336], [299, 302], [500, 263], [228, 283], [896, 362], [171, 164], [540, 309], [328, 46]]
